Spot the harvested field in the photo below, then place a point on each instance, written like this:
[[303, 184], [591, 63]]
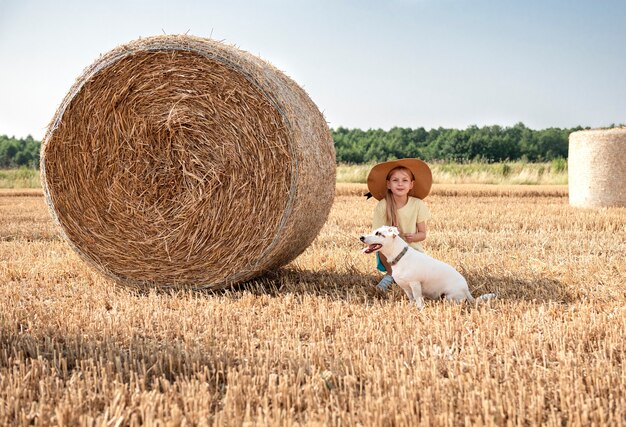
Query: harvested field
[[313, 343]]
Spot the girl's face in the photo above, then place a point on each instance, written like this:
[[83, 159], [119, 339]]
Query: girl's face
[[400, 182]]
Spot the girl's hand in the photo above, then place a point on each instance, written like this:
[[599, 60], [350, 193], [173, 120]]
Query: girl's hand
[[410, 237]]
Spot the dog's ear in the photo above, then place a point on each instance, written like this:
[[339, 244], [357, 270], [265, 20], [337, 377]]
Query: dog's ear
[[393, 231]]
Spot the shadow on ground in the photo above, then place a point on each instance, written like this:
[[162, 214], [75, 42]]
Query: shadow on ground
[[536, 289], [357, 287], [348, 286]]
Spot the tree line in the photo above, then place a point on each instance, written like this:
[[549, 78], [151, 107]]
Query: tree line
[[19, 152], [487, 143]]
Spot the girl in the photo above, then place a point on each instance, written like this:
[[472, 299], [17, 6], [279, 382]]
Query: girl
[[400, 186]]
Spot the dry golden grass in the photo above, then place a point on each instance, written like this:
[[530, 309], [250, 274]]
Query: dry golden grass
[[313, 344]]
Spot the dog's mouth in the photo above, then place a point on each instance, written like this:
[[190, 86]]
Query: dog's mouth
[[372, 248]]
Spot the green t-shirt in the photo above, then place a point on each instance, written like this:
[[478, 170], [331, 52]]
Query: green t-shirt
[[409, 216]]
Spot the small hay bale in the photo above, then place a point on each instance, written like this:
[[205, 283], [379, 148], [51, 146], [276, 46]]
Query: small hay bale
[[597, 168], [177, 161]]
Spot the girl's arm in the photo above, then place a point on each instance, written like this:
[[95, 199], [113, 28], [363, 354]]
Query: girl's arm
[[383, 259]]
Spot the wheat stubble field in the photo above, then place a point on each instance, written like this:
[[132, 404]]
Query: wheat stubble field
[[313, 343]]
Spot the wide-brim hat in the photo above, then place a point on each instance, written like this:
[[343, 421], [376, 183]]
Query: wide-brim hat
[[377, 178]]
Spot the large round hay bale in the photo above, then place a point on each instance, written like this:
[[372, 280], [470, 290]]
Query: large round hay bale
[[177, 161], [597, 168]]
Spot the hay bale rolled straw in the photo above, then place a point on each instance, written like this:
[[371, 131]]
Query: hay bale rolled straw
[[597, 168], [177, 161]]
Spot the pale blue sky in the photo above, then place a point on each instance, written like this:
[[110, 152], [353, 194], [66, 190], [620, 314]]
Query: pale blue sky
[[366, 64]]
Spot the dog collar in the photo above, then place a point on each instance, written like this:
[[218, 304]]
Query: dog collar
[[399, 257]]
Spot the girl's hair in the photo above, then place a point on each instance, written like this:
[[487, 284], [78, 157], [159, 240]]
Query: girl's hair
[[392, 211]]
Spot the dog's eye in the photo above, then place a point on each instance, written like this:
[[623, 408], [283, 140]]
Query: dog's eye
[[378, 233]]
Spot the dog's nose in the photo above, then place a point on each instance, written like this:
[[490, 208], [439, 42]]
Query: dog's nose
[[362, 238]]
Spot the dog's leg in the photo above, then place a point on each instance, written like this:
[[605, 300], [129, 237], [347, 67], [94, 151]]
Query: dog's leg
[[408, 291], [469, 298], [459, 296], [416, 287]]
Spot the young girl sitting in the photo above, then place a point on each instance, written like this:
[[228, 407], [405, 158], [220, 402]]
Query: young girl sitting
[[400, 186]]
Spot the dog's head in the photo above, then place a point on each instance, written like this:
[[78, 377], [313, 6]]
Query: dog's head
[[379, 237]]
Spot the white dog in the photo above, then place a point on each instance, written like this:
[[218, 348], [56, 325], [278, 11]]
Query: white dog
[[418, 274]]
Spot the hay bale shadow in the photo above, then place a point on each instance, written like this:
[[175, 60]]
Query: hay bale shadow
[[346, 286], [356, 287]]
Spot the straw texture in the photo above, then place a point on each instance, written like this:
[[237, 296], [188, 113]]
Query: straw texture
[[177, 161], [597, 168]]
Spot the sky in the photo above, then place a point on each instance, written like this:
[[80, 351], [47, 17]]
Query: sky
[[366, 64]]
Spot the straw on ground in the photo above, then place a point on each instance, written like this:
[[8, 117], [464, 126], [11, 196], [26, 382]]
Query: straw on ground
[[313, 344]]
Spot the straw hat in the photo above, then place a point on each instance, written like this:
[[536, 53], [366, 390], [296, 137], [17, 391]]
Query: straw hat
[[377, 178]]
